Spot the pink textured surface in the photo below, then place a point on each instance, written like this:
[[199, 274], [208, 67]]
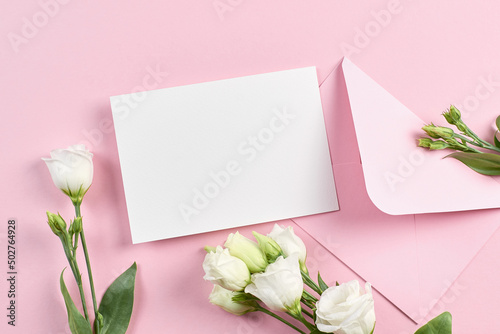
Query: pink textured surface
[[57, 78]]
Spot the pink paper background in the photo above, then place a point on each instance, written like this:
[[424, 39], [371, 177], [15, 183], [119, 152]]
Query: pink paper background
[[55, 89]]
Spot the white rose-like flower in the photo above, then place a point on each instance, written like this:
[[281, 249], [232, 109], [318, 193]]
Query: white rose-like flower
[[72, 170], [280, 286], [226, 270], [224, 299], [289, 243], [246, 250], [344, 309]]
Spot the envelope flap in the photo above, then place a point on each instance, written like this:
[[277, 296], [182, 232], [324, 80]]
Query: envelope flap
[[400, 177]]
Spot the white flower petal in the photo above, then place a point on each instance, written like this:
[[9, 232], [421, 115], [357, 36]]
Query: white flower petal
[[344, 309], [225, 270], [280, 286], [71, 169]]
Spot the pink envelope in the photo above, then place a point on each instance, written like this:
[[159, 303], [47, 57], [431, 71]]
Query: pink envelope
[[388, 228]]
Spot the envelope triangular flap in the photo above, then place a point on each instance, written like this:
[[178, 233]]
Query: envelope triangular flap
[[400, 177]]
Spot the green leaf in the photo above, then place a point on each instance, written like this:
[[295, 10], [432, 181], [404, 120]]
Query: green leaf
[[497, 122], [117, 303], [77, 322], [322, 285], [439, 325], [497, 142], [483, 163]]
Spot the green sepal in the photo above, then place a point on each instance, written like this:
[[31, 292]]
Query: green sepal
[[77, 322], [322, 285], [482, 163], [210, 249], [439, 325], [497, 122], [244, 298], [117, 303]]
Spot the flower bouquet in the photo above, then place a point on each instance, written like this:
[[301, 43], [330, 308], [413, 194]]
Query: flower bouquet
[[271, 276], [476, 153]]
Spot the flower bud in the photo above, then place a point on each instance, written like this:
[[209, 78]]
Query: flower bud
[[438, 145], [226, 270], [453, 115], [268, 246], [76, 226], [56, 223], [224, 299], [424, 142], [248, 251], [438, 131]]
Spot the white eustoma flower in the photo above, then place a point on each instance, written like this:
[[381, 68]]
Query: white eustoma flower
[[280, 286], [224, 299], [344, 309], [226, 270], [72, 170], [246, 250], [289, 243]]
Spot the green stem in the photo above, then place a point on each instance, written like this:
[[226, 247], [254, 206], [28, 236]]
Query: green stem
[[76, 273], [307, 313], [310, 296], [479, 143], [266, 311], [89, 270], [467, 140], [307, 303], [75, 244], [301, 318], [472, 134], [310, 283], [491, 147]]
